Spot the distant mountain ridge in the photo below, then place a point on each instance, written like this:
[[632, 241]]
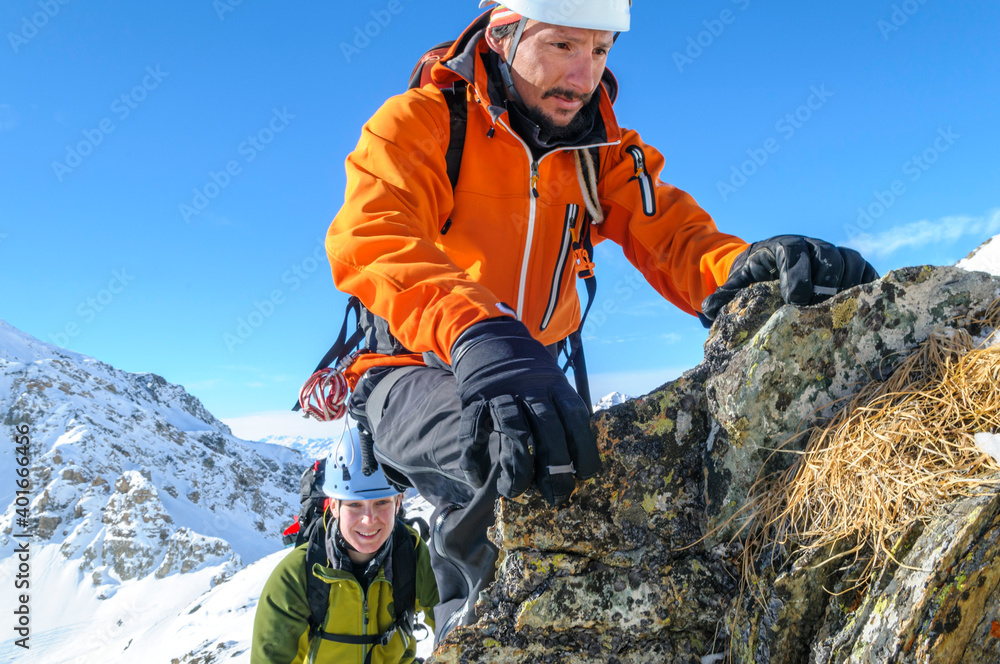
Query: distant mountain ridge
[[133, 481], [309, 447], [613, 399]]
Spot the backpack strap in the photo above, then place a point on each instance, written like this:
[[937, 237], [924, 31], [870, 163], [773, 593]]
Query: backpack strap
[[455, 96], [343, 345], [317, 592], [458, 112], [314, 502], [583, 249], [404, 577]]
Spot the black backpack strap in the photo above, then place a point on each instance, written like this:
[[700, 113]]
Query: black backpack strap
[[343, 345], [317, 592], [418, 525], [404, 577], [312, 500], [574, 342], [458, 112], [579, 362]]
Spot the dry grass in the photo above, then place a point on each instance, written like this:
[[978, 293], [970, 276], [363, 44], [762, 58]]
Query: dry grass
[[898, 451]]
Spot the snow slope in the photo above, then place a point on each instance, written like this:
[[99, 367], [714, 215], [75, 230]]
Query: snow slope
[[986, 258]]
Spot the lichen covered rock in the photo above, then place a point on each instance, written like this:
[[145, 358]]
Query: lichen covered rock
[[642, 564]]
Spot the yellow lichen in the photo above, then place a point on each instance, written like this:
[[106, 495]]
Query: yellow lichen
[[663, 426], [881, 605], [844, 312]]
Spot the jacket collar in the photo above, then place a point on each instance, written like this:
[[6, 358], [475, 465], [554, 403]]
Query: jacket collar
[[464, 60]]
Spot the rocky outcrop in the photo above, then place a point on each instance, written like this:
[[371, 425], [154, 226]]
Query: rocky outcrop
[[643, 565]]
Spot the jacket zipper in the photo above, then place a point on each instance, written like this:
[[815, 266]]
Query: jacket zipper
[[645, 182], [364, 622], [533, 184], [314, 646], [572, 210]]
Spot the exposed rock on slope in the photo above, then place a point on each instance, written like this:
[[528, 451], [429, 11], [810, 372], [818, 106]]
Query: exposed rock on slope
[[640, 566]]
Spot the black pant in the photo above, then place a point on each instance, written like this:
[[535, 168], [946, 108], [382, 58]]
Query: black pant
[[416, 443]]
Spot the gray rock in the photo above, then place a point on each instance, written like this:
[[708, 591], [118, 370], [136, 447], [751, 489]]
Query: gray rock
[[641, 565]]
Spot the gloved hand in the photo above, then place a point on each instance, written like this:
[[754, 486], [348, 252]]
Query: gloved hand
[[509, 383], [809, 271]]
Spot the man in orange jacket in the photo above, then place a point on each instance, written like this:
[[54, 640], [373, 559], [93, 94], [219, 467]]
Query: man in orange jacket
[[471, 286]]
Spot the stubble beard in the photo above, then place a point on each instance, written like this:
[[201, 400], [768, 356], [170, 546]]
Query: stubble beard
[[573, 128]]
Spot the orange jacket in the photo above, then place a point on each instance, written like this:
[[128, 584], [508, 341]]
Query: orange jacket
[[504, 250]]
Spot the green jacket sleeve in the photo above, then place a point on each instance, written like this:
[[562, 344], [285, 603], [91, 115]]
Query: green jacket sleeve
[[427, 590], [282, 617]]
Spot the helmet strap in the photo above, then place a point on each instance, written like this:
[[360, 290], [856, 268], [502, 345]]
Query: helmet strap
[[508, 79]]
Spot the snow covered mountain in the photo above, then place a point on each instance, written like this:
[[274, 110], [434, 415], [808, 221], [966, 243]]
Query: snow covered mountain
[[310, 448], [986, 258], [140, 500], [610, 400]]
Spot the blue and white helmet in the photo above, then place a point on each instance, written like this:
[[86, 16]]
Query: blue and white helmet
[[344, 479]]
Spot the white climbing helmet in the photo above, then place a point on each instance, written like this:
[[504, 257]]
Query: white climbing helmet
[[344, 479], [590, 14]]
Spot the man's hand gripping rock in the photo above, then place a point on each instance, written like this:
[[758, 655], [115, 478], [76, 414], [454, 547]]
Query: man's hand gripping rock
[[510, 384], [808, 270]]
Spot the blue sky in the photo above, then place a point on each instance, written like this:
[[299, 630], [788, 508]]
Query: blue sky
[[169, 170]]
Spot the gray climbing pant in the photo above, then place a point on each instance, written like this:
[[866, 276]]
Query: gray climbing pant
[[413, 413]]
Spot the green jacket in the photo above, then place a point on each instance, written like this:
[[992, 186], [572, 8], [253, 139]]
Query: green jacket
[[281, 625]]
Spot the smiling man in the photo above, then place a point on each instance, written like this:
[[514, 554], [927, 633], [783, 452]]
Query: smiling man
[[472, 205]]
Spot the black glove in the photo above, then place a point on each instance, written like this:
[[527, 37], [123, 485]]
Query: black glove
[[810, 271], [509, 383]]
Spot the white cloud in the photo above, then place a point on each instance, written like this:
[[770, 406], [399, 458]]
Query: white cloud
[[946, 230]]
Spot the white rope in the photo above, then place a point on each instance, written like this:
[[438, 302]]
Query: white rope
[[588, 184]]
